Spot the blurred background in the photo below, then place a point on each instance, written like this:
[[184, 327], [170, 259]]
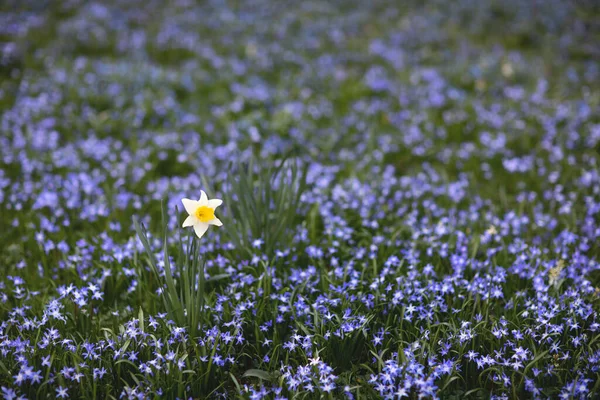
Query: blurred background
[[185, 61]]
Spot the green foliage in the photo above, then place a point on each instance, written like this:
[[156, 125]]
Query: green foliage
[[183, 295], [263, 203]]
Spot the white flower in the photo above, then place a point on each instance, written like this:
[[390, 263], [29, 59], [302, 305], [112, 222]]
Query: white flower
[[202, 213]]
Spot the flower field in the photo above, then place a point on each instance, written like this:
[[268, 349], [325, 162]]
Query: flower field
[[260, 199]]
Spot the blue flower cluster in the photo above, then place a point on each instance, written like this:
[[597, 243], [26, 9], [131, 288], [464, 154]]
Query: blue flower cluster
[[447, 244]]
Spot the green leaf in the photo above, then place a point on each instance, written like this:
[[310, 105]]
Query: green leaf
[[258, 373], [536, 359], [141, 319], [236, 383], [217, 277]]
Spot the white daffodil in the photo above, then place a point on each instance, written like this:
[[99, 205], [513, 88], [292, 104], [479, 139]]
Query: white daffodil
[[202, 213]]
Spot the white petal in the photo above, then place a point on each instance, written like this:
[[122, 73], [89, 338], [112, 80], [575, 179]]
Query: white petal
[[215, 222], [190, 205], [203, 201], [200, 228], [214, 203], [189, 221]]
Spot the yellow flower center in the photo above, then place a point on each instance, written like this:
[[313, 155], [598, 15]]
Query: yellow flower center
[[205, 214]]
